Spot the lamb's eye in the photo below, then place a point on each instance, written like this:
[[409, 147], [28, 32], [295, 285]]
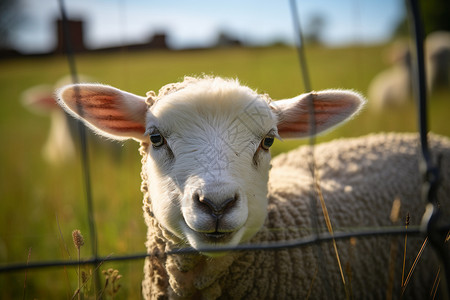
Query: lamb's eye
[[267, 142], [156, 139]]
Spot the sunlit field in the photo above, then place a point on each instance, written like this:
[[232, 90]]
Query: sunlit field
[[42, 204]]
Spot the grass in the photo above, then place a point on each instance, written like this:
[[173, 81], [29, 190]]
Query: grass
[[34, 195]]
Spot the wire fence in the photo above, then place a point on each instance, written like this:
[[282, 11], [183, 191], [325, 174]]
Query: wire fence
[[429, 228], [303, 242]]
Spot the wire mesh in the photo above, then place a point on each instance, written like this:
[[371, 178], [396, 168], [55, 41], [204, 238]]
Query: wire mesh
[[429, 227]]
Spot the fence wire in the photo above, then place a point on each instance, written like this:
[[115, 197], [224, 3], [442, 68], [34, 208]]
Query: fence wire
[[70, 53], [273, 246], [429, 170], [429, 227]]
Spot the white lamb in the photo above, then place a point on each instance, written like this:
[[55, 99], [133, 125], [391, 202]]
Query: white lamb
[[205, 142], [59, 147], [391, 88], [437, 48]]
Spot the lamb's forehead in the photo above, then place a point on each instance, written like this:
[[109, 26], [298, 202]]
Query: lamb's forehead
[[213, 101]]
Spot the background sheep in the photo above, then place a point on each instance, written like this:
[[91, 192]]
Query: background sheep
[[59, 146], [437, 47], [63, 133], [392, 87], [205, 180]]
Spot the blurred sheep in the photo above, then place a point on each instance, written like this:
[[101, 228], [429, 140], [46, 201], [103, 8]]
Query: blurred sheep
[[392, 87], [437, 47], [59, 146]]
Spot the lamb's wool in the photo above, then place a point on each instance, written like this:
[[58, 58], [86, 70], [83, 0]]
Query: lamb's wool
[[359, 179]]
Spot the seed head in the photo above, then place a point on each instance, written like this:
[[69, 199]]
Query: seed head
[[78, 239], [84, 277]]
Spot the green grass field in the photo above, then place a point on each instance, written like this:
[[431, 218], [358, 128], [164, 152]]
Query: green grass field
[[41, 204]]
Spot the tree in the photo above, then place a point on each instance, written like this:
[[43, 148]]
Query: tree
[[9, 16], [314, 29], [435, 16]]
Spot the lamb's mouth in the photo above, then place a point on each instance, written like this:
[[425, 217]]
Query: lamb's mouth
[[217, 237]]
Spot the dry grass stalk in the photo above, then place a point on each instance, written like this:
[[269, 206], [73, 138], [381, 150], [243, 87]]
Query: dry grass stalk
[[78, 241], [63, 243], [62, 238], [312, 283], [26, 273], [413, 267], [88, 277], [437, 279], [404, 250], [111, 282], [330, 230], [436, 282]]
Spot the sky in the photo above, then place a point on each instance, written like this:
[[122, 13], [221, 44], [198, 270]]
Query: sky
[[196, 23]]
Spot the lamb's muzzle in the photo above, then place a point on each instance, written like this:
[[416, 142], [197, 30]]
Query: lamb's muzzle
[[219, 212]]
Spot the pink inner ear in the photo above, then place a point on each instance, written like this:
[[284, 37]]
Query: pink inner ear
[[107, 113], [105, 109], [328, 112], [297, 128], [48, 103], [298, 124], [120, 125]]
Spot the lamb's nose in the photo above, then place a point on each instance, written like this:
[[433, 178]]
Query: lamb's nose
[[216, 208]]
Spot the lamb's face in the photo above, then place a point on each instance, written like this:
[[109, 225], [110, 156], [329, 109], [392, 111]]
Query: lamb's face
[[208, 163]]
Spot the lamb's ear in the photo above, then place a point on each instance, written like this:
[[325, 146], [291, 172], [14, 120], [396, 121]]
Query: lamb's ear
[[40, 99], [107, 110], [331, 107]]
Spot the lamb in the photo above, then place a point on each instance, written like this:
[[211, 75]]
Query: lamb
[[206, 183], [392, 87], [59, 147], [437, 48]]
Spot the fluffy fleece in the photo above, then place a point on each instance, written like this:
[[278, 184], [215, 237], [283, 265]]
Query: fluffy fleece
[[359, 180]]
